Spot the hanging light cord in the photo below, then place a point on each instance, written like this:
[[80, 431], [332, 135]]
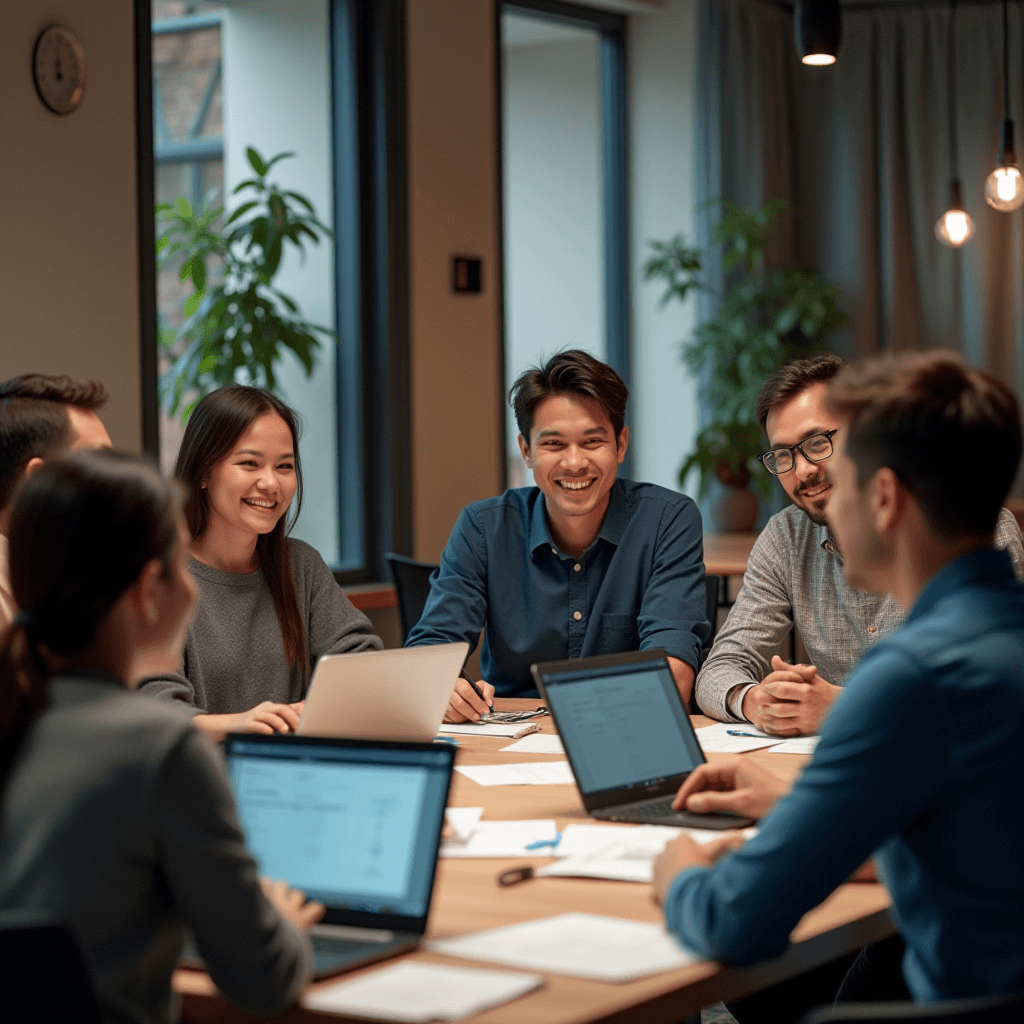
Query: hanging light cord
[[1006, 62], [953, 149]]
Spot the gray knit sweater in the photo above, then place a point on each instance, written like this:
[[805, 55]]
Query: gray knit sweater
[[234, 657]]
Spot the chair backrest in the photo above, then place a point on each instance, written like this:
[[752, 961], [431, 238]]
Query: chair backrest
[[712, 585], [42, 973], [412, 584], [997, 1010]]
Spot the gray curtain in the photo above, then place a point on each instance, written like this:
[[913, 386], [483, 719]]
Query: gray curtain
[[861, 151]]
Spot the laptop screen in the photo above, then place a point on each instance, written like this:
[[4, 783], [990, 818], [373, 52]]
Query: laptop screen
[[622, 725], [354, 825]]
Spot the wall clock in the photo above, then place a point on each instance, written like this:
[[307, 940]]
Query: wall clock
[[58, 65]]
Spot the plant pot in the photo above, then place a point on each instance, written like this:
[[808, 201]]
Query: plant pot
[[731, 509]]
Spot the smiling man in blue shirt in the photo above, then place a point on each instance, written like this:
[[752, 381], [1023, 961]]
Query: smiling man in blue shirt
[[920, 762], [581, 564]]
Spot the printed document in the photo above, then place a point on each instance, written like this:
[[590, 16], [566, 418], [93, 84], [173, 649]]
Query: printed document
[[413, 992], [529, 773], [504, 839], [509, 730], [584, 945], [716, 738]]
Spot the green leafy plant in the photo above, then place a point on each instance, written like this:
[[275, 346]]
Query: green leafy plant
[[765, 317], [237, 324]]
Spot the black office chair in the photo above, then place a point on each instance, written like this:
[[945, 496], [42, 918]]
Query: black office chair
[[712, 586], [999, 1010], [42, 974], [412, 584]]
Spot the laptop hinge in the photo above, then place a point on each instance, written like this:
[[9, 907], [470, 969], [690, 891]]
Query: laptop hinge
[[344, 931]]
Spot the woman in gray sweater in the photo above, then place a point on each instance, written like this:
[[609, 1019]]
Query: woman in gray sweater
[[269, 606], [115, 815]]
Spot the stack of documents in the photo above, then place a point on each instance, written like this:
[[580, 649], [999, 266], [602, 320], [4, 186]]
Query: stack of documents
[[619, 853], [509, 730], [538, 743], [528, 773], [585, 945], [410, 991]]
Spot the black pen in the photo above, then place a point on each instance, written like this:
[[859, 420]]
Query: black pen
[[477, 690]]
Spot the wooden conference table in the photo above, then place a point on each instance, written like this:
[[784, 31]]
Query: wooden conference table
[[467, 898]]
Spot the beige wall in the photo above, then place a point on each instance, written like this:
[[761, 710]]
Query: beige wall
[[456, 366], [68, 248]]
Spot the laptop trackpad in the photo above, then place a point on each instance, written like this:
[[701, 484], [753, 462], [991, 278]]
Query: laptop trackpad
[[332, 954]]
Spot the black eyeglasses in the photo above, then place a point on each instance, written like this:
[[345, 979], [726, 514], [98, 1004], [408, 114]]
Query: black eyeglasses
[[816, 448]]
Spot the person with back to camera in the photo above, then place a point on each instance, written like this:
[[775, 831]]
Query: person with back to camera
[[115, 814], [269, 606]]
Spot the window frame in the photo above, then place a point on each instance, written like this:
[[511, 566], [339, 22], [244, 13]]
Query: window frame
[[614, 174]]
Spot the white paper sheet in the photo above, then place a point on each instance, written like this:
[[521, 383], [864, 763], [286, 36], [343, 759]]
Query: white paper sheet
[[413, 992], [538, 743], [627, 857], [585, 945], [716, 738], [463, 821], [529, 773], [503, 839], [510, 731], [797, 745]]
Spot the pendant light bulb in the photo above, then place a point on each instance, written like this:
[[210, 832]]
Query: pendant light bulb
[[1004, 187], [954, 228], [818, 27]]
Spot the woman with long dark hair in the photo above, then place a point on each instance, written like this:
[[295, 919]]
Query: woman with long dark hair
[[115, 814], [269, 606]]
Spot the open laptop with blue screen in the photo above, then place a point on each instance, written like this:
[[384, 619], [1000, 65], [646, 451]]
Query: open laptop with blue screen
[[354, 824], [627, 736]]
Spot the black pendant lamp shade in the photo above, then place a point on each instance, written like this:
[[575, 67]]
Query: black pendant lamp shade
[[819, 27]]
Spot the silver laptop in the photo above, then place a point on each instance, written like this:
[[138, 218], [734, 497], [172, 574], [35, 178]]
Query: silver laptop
[[627, 736], [353, 824], [382, 695]]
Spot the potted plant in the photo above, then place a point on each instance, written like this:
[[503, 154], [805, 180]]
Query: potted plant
[[237, 324], [764, 317]]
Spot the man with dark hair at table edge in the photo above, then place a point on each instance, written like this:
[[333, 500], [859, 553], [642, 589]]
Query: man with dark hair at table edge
[[795, 576], [920, 762], [581, 564], [39, 417]]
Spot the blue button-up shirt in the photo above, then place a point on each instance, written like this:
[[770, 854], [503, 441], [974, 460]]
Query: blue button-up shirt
[[639, 585], [920, 763]]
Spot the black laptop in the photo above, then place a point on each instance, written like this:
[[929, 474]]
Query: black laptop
[[627, 736], [354, 824]]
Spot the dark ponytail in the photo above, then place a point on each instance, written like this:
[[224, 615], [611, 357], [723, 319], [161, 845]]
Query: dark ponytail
[[82, 529]]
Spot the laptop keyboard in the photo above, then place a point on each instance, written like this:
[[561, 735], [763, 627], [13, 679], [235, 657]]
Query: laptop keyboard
[[659, 808], [330, 953]]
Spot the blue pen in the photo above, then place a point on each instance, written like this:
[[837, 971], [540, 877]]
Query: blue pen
[[541, 843], [739, 732]]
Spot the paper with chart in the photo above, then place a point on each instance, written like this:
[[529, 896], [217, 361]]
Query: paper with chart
[[538, 743], [584, 945], [528, 773], [504, 839], [716, 739], [627, 856], [415, 992]]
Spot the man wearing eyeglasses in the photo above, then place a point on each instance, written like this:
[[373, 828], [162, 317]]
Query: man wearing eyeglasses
[[795, 576]]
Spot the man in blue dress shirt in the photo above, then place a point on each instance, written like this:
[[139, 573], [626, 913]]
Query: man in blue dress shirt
[[920, 762], [581, 564]]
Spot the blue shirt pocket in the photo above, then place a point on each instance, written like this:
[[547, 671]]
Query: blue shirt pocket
[[619, 633]]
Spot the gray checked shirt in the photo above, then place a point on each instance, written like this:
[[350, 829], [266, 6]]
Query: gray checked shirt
[[795, 575]]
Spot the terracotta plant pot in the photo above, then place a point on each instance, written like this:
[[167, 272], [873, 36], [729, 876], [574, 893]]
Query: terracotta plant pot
[[732, 506]]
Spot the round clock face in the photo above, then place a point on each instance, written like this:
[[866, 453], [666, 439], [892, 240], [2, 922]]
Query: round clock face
[[59, 67]]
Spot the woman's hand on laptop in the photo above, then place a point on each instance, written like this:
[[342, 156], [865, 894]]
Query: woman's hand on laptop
[[265, 718], [292, 904], [738, 786], [465, 705]]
